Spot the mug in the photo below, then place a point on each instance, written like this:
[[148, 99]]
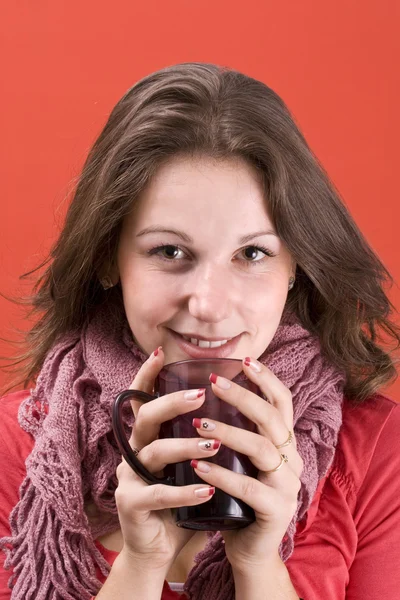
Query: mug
[[222, 511]]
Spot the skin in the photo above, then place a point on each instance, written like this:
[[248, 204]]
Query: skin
[[208, 287]]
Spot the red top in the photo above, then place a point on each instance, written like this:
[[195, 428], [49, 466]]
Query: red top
[[346, 547]]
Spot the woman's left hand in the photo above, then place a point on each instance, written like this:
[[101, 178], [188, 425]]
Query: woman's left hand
[[273, 496]]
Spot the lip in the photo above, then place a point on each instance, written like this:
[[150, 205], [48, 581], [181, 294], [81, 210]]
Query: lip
[[197, 352]]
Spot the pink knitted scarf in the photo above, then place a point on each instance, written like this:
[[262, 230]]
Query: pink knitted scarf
[[75, 456]]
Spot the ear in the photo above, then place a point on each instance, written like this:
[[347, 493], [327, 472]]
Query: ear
[[110, 273]]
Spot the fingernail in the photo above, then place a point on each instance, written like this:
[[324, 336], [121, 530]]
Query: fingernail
[[200, 466], [204, 492], [202, 424], [209, 444], [221, 382], [253, 364], [156, 351], [194, 394]]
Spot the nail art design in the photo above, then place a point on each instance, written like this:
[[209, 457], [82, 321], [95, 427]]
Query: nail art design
[[202, 424], [209, 444]]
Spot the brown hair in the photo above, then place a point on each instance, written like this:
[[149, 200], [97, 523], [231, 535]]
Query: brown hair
[[197, 108]]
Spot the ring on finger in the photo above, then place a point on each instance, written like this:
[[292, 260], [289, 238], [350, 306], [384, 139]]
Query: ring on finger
[[284, 458], [288, 441]]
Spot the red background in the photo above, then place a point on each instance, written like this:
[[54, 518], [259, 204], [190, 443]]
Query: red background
[[65, 64]]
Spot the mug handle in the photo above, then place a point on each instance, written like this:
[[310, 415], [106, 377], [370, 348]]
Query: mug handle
[[122, 441]]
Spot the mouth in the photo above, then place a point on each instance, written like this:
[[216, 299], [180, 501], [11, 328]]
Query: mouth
[[200, 348]]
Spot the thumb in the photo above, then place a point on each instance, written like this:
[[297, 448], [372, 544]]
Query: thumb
[[144, 380]]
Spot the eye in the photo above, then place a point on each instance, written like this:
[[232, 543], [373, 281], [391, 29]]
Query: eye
[[168, 251], [251, 253]]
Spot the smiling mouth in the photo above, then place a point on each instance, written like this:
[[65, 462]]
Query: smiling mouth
[[200, 348], [204, 343]]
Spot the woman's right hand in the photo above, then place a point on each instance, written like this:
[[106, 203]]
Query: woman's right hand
[[151, 536]]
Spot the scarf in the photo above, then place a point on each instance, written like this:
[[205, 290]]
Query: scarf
[[74, 459]]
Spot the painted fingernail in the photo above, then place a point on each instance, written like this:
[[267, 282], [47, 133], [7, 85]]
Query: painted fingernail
[[156, 351], [194, 394], [221, 382], [200, 466], [209, 444], [203, 424], [253, 364], [204, 492]]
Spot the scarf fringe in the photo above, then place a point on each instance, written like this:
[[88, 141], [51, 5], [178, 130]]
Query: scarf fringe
[[68, 558], [211, 577]]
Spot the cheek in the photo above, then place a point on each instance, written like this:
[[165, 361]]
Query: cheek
[[147, 301], [267, 296]]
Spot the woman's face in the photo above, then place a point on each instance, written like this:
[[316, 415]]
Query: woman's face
[[200, 259]]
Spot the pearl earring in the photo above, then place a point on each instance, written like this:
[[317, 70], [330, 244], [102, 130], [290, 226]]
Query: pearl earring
[[106, 283], [291, 282]]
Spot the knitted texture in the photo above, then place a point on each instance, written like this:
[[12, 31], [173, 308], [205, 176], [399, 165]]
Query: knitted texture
[[74, 459]]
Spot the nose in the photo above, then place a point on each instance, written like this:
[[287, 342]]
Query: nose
[[210, 294]]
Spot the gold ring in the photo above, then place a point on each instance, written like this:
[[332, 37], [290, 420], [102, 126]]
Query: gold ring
[[284, 458], [288, 441]]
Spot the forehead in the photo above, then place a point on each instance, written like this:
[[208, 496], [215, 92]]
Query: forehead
[[189, 189]]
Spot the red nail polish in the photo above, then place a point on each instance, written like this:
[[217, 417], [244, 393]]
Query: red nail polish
[[157, 350], [194, 463], [213, 378], [247, 361], [196, 423], [216, 445]]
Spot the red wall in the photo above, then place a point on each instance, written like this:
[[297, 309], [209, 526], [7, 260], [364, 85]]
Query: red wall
[[65, 64]]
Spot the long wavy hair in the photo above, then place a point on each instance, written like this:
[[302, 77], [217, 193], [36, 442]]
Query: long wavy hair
[[205, 109]]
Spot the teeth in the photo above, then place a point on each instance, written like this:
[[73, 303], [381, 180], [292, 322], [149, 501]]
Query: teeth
[[204, 343]]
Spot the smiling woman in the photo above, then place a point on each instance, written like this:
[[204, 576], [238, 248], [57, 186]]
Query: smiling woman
[[202, 226]]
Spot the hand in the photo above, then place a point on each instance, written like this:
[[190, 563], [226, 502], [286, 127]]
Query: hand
[[273, 496], [150, 534]]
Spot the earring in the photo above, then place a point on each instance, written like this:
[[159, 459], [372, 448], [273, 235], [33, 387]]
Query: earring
[[291, 282], [106, 283]]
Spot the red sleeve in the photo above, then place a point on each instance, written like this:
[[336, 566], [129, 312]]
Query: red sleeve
[[375, 571], [347, 548], [15, 445]]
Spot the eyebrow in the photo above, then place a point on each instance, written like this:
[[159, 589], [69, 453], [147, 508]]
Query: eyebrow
[[186, 238]]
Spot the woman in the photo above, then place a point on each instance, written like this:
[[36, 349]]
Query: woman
[[202, 225]]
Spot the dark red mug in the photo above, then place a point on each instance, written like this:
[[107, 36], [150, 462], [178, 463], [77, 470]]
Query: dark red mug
[[222, 511]]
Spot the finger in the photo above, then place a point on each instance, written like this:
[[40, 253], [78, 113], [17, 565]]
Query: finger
[[272, 387], [158, 496], [267, 417], [157, 455], [263, 498], [260, 449], [152, 414], [134, 494]]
